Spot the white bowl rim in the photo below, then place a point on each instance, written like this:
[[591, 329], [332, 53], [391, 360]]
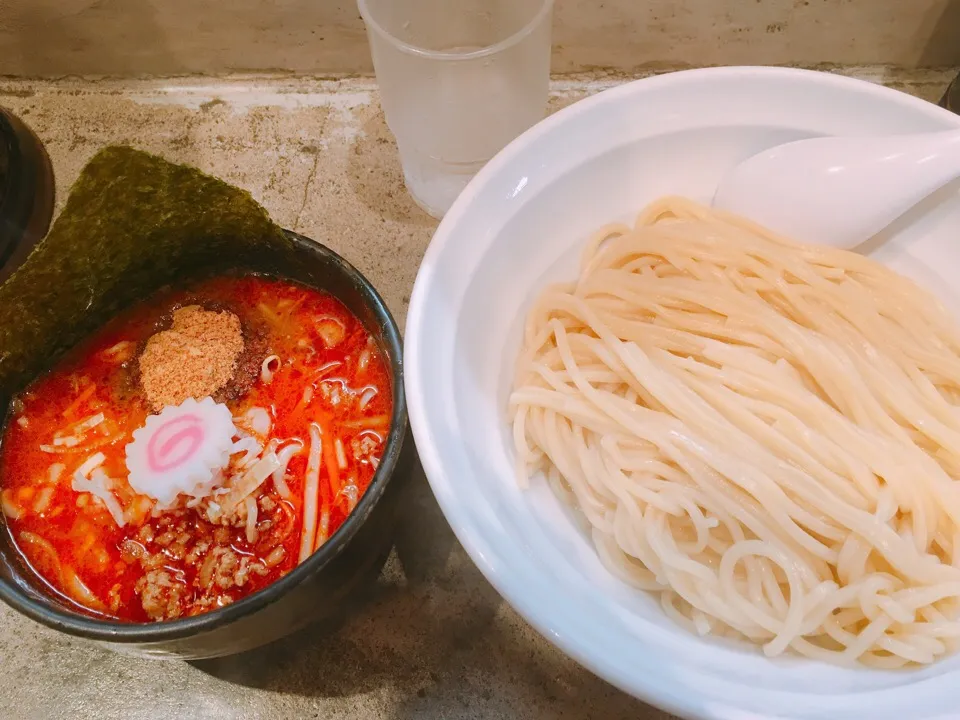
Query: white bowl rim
[[491, 566]]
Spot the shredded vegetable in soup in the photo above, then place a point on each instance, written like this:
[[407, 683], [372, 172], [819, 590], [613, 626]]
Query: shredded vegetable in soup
[[196, 449]]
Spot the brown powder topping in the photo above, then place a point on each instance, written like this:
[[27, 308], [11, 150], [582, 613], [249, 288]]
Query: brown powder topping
[[195, 358]]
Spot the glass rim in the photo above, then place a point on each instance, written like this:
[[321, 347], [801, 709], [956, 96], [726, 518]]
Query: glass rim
[[545, 7]]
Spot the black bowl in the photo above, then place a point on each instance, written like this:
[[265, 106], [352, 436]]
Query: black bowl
[[26, 192], [318, 588]]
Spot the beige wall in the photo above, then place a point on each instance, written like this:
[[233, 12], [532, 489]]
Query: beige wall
[[171, 37]]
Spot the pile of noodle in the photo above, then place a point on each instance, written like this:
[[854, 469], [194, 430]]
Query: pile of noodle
[[765, 434]]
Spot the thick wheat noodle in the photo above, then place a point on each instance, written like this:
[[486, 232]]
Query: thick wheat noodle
[[766, 434]]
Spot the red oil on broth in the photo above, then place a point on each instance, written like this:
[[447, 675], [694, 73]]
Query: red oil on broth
[[310, 387]]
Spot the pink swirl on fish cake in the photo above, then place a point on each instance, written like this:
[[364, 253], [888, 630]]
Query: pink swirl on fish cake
[[175, 442]]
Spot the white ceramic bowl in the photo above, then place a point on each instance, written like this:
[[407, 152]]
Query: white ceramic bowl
[[521, 224]]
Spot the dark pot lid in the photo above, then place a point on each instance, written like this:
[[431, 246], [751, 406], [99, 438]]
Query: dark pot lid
[[26, 192]]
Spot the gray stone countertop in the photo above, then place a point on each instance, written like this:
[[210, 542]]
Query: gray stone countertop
[[432, 639]]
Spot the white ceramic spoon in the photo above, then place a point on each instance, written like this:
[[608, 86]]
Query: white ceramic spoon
[[839, 191]]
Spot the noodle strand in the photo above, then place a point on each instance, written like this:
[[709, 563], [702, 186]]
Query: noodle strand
[[765, 434]]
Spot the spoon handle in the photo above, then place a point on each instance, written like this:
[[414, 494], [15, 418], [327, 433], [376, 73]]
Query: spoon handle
[[840, 191], [923, 163]]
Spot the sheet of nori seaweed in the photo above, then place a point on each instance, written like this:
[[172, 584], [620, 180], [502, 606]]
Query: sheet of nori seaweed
[[133, 223]]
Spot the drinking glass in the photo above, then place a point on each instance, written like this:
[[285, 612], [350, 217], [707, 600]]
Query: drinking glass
[[459, 79]]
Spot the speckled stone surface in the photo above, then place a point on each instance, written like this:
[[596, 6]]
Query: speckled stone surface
[[432, 639]]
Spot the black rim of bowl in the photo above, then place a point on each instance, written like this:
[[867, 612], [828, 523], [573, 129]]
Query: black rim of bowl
[[121, 632], [12, 159], [26, 192]]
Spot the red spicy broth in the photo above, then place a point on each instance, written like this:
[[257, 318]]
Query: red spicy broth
[[315, 374]]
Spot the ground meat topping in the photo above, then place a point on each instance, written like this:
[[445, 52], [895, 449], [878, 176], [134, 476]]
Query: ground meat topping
[[225, 568], [363, 447], [160, 594], [195, 358], [213, 569], [198, 551]]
